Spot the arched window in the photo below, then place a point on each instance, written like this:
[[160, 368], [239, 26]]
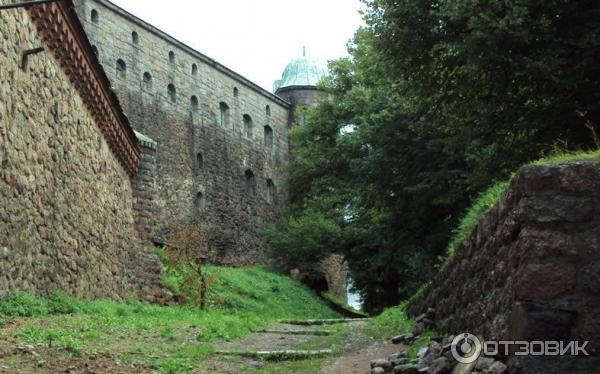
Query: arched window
[[194, 103], [268, 137], [250, 186], [135, 38], [194, 69], [199, 161], [247, 126], [94, 16], [224, 110], [95, 50], [147, 81], [172, 93], [268, 110], [236, 92], [171, 56], [271, 195], [121, 69], [199, 202]]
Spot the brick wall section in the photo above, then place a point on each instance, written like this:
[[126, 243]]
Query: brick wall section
[[182, 132], [531, 268], [66, 217]]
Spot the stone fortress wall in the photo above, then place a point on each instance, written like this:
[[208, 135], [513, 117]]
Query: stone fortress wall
[[66, 213], [221, 141]]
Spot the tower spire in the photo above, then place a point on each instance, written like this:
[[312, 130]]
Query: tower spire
[[303, 51]]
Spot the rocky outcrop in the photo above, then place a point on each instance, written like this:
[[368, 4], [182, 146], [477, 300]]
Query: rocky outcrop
[[530, 270]]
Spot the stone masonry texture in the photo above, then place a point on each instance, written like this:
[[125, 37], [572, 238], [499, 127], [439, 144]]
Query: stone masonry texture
[[530, 269], [209, 167], [66, 214]]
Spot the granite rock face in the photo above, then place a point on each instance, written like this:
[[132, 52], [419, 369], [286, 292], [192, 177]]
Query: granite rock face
[[66, 213], [529, 270]]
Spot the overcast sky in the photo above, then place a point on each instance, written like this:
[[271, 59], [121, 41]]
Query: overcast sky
[[255, 38]]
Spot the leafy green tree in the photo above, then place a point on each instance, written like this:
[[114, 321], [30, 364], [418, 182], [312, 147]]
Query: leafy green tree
[[438, 101]]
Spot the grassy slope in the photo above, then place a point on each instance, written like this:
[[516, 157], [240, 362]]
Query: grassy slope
[[173, 338]]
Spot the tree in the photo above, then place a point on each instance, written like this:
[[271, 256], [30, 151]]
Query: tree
[[437, 101]]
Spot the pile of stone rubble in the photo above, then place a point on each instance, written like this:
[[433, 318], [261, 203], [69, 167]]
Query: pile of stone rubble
[[436, 358]]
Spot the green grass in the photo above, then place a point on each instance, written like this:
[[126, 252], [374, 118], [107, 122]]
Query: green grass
[[173, 338], [392, 321], [482, 204], [562, 158], [490, 197]]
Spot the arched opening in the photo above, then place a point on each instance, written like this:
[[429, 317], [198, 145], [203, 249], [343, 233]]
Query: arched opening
[[236, 92], [147, 81], [268, 110], [224, 110], [171, 57], [250, 186], [247, 126], [271, 195], [199, 161], [194, 103], [95, 50], [94, 16], [172, 93], [194, 69], [121, 69], [135, 38], [268, 137], [317, 282]]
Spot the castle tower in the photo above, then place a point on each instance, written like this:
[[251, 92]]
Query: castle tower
[[298, 85]]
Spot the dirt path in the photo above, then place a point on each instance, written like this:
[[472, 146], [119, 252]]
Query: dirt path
[[358, 351], [280, 336]]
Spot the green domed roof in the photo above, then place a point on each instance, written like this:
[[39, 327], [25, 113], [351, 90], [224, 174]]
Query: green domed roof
[[300, 72]]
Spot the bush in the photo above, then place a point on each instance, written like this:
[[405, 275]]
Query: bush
[[21, 304], [60, 303]]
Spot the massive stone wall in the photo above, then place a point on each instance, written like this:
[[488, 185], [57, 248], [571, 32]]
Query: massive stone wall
[[531, 268], [209, 166], [66, 217]]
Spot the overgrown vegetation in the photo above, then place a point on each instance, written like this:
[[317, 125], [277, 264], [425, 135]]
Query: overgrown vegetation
[[437, 102], [171, 338]]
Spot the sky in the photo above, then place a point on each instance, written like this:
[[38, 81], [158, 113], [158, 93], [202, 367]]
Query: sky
[[255, 38]]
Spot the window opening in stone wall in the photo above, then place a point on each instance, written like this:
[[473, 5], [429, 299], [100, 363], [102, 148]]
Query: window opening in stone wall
[[224, 109], [194, 69], [135, 38], [250, 187], [94, 16], [271, 192], [95, 50], [194, 103], [268, 110], [199, 202], [236, 92], [172, 93], [171, 57], [268, 137], [147, 81], [200, 161], [247, 126], [121, 69]]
